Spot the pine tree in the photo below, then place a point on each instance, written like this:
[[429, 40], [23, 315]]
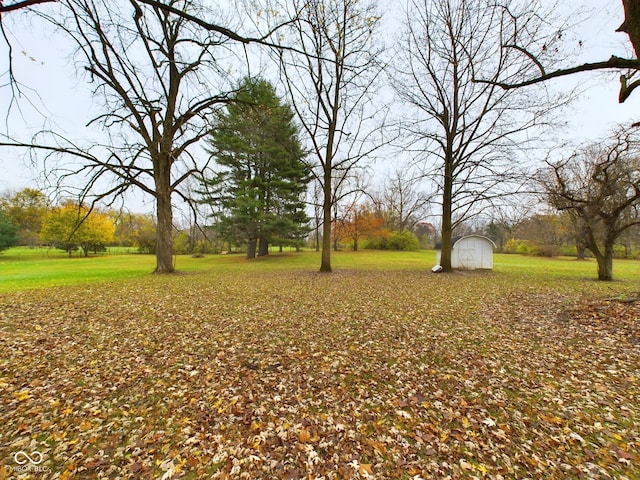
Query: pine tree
[[8, 232], [261, 176]]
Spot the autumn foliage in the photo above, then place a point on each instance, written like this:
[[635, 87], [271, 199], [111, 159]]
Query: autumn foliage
[[70, 227], [357, 222], [362, 226]]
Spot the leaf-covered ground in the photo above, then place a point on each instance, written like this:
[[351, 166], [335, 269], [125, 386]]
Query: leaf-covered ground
[[299, 375]]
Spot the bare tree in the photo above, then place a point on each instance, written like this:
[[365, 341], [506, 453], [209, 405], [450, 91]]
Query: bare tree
[[504, 220], [157, 67], [600, 186], [155, 72], [630, 67], [332, 88], [13, 6], [403, 202], [468, 134]]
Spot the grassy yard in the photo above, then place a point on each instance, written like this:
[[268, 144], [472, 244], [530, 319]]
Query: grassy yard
[[23, 268], [269, 370]]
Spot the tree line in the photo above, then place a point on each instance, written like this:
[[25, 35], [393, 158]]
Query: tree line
[[28, 218], [165, 72]]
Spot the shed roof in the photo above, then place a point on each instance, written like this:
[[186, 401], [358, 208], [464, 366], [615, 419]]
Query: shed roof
[[456, 239]]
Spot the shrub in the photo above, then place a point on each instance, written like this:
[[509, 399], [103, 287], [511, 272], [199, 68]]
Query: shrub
[[376, 243], [404, 240], [526, 247], [545, 250], [517, 246]]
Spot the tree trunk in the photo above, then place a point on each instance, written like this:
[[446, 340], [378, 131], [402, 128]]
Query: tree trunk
[[164, 216], [445, 252], [604, 259], [581, 246], [325, 263], [627, 247], [263, 247], [631, 25], [605, 264], [355, 244], [251, 248], [581, 238]]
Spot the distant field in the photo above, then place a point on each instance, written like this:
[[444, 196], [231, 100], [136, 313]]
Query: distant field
[[23, 268]]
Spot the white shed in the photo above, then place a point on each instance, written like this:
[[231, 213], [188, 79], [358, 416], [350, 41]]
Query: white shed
[[470, 252]]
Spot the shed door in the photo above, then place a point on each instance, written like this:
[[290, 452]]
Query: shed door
[[467, 255]]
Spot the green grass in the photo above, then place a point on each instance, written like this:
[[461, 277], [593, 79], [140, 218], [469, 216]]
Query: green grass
[[23, 268]]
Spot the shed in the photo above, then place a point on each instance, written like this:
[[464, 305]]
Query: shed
[[470, 252]]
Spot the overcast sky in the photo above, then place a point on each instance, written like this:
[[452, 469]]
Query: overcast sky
[[42, 64]]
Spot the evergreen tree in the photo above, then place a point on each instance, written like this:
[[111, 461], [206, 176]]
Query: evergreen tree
[[261, 177], [8, 232], [26, 209]]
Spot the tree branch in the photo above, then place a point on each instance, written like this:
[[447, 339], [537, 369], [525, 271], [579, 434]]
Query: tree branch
[[22, 4], [211, 27], [613, 63]]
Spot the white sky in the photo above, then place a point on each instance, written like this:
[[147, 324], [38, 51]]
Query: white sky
[[42, 64]]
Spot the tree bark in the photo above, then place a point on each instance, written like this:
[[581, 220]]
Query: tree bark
[[631, 24], [605, 264], [604, 257], [251, 248], [164, 216], [447, 207], [263, 247], [325, 263]]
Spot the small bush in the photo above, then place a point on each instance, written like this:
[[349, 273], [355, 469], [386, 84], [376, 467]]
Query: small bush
[[525, 247], [522, 247], [376, 243], [569, 251], [545, 250], [405, 241]]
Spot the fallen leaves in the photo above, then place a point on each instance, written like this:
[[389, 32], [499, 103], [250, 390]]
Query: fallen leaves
[[386, 375]]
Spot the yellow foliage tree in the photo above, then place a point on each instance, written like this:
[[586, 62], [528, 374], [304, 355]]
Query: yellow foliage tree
[[70, 227]]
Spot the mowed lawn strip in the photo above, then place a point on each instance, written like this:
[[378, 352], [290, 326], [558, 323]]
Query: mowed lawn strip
[[23, 268], [259, 370]]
